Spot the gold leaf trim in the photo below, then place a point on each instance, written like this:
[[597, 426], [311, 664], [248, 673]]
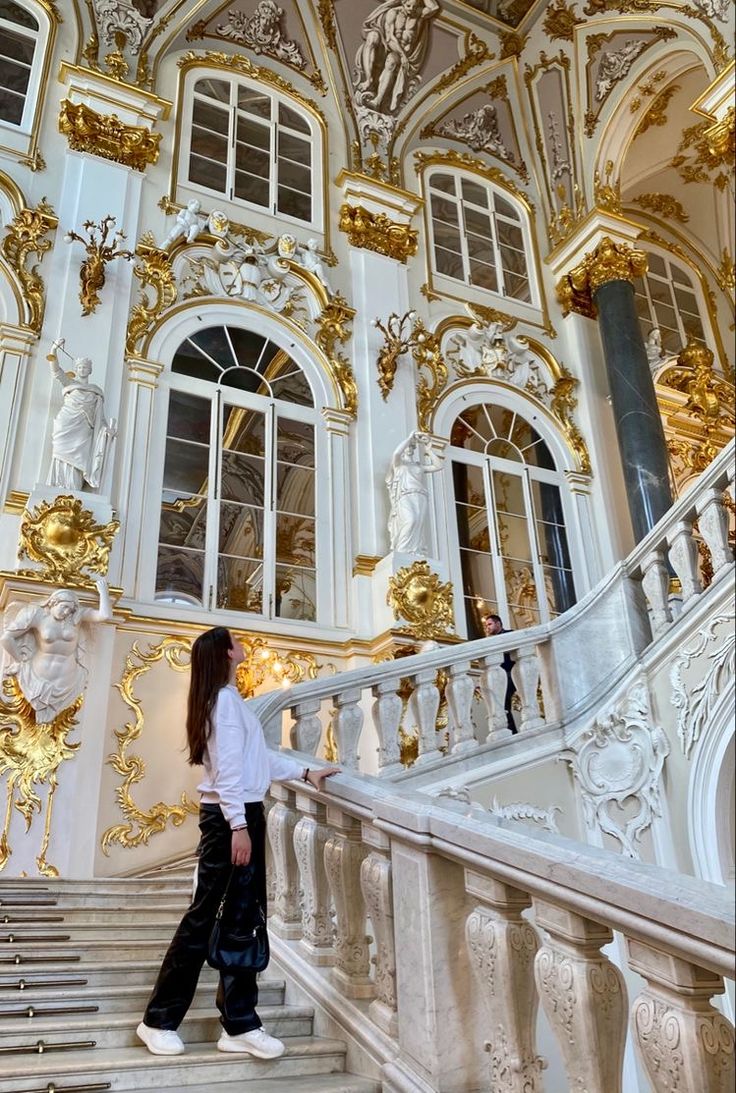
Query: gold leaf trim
[[107, 136], [25, 237], [560, 21], [476, 53]]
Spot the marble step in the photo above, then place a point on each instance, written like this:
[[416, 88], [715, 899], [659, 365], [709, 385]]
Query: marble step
[[159, 911], [100, 949], [97, 973], [118, 999], [127, 887], [201, 1026], [93, 931], [202, 1064], [320, 1083]]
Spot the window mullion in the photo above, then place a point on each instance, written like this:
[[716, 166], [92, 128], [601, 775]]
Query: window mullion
[[213, 502], [269, 515], [537, 563], [274, 132], [233, 140], [500, 280], [464, 242]]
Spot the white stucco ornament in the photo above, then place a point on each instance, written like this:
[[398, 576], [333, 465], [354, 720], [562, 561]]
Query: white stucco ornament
[[695, 694], [408, 490], [487, 350], [81, 436], [187, 226], [619, 762]]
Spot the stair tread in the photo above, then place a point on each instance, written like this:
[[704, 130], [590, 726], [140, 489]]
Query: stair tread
[[103, 1060], [131, 1018], [308, 1083]]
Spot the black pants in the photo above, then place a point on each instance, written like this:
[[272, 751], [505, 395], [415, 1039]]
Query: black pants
[[507, 664], [237, 995]]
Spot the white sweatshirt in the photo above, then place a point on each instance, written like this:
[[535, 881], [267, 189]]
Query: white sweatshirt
[[238, 765]]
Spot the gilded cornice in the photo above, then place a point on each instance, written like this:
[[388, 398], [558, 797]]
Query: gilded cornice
[[107, 136], [25, 239], [608, 262], [376, 232]]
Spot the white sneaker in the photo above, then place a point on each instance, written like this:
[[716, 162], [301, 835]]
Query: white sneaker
[[256, 1042], [160, 1041]]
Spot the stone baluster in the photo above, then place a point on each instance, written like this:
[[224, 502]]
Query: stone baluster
[[270, 871], [493, 684], [683, 555], [375, 881], [346, 726], [684, 1042], [459, 694], [502, 947], [424, 703], [656, 584], [306, 730], [286, 915], [344, 854], [526, 675], [713, 522], [310, 836], [387, 710], [584, 998]]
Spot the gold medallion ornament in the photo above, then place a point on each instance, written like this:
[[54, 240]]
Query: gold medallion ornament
[[418, 596], [376, 232], [62, 537], [107, 136], [608, 262], [24, 240], [30, 755]]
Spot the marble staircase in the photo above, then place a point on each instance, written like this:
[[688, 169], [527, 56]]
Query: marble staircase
[[77, 961]]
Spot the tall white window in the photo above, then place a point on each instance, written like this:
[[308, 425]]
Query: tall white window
[[666, 298], [238, 503], [253, 146], [509, 504], [478, 236], [19, 33]]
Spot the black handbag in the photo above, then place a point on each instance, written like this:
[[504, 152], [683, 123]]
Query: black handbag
[[239, 939]]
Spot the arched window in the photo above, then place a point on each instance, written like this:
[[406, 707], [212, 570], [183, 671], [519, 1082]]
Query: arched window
[[478, 236], [19, 33], [237, 523], [514, 553], [666, 298], [253, 146]]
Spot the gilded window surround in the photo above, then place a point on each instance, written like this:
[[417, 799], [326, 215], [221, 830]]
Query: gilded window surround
[[472, 165], [239, 65], [31, 156]]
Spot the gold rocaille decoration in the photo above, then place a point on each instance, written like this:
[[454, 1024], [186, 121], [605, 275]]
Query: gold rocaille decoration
[[408, 334], [155, 272], [101, 248], [720, 138], [606, 191], [333, 330], [657, 112], [30, 755], [417, 595], [560, 21], [726, 273], [107, 136], [564, 401], [710, 397], [706, 152], [512, 44], [326, 13], [376, 232], [476, 53], [608, 262], [261, 664], [25, 239], [664, 204], [64, 539]]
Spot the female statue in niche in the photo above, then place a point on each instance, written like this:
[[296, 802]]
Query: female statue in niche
[[46, 643], [81, 437], [408, 492]]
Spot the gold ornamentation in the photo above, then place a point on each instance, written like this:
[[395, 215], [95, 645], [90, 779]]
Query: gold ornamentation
[[607, 194], [647, 89], [560, 21], [700, 158], [31, 754], [99, 253], [512, 44], [16, 502], [428, 294], [476, 53], [710, 399], [333, 330], [564, 401], [608, 262], [364, 564], [656, 114], [398, 335], [25, 238], [376, 232], [726, 275], [237, 230], [260, 664], [594, 44], [452, 158], [326, 13], [155, 272], [720, 138], [664, 204], [62, 537], [404, 334], [417, 595], [565, 220], [107, 136], [238, 62]]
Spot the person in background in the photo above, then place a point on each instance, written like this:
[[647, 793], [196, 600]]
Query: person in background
[[493, 624], [227, 739]]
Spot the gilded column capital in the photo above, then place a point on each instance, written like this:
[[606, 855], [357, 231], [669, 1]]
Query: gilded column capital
[[609, 261]]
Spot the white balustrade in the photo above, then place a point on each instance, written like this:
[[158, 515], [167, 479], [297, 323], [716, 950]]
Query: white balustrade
[[526, 676], [493, 683], [306, 730], [344, 854], [713, 521], [423, 705], [310, 836], [346, 726], [684, 559], [656, 584], [387, 710], [459, 693], [286, 915]]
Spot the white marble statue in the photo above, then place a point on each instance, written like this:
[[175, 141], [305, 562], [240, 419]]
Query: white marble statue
[[388, 63], [81, 438], [47, 649], [408, 493], [310, 259], [655, 353], [188, 224]]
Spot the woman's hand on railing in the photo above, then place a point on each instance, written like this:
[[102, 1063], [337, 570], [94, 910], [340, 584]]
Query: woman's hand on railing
[[316, 777]]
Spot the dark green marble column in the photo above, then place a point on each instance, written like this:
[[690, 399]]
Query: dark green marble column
[[638, 423]]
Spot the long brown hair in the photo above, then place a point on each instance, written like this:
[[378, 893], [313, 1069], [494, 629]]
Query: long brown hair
[[210, 672]]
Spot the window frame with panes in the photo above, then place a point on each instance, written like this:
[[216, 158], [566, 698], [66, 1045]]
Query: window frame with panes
[[13, 35], [661, 297], [243, 123], [248, 532]]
